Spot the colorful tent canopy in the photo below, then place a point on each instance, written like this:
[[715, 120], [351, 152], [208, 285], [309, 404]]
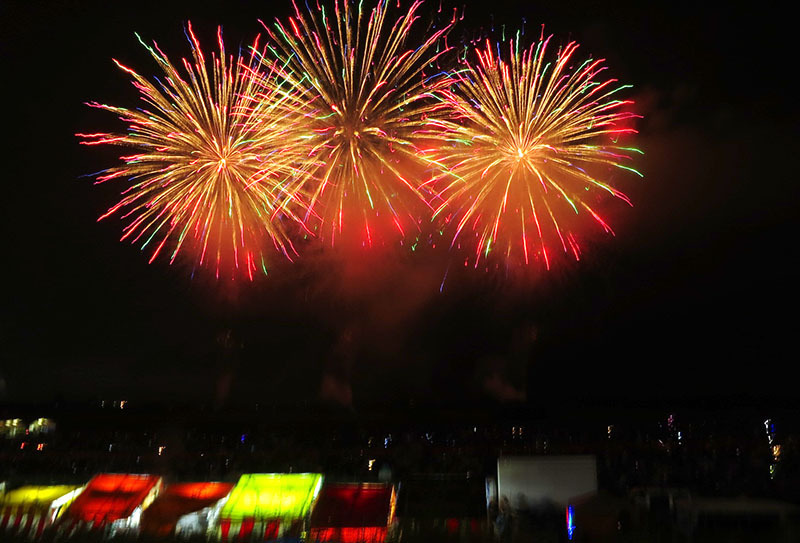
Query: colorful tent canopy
[[355, 512], [273, 495], [268, 504], [35, 496], [30, 509], [113, 496], [178, 500]]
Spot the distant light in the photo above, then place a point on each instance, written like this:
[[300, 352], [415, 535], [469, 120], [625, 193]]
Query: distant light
[[370, 463], [161, 449]]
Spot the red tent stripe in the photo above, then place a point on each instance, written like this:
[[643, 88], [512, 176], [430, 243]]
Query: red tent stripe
[[225, 527], [15, 526], [40, 526], [28, 522], [4, 520], [246, 528], [271, 530]]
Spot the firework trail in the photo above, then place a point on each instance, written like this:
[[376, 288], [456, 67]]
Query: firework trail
[[371, 96], [213, 172], [533, 144]]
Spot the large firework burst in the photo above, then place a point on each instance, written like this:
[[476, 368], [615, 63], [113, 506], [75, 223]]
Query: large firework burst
[[533, 147], [213, 168], [370, 94]]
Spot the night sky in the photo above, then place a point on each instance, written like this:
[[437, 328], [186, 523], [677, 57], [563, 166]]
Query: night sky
[[694, 299]]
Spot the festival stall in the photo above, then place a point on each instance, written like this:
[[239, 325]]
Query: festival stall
[[353, 513], [30, 510], [442, 504], [113, 502], [266, 506], [185, 509]]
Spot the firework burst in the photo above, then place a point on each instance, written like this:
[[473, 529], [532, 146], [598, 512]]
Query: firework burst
[[371, 96], [533, 145], [213, 169]]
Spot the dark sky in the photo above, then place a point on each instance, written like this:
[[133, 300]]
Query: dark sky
[[694, 298]]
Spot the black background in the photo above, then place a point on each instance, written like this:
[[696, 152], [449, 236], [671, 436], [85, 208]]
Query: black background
[[694, 300]]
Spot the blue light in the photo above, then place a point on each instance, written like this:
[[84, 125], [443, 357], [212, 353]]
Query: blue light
[[570, 523]]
